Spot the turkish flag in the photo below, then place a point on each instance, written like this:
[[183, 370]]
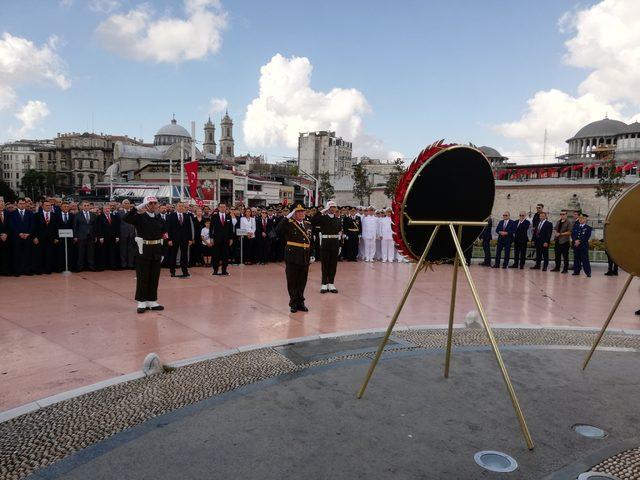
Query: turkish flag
[[191, 169]]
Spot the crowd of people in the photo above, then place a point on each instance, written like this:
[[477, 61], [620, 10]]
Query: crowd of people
[[30, 241], [564, 235]]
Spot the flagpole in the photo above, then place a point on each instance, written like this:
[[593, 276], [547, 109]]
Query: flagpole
[[193, 145], [170, 183], [181, 170]]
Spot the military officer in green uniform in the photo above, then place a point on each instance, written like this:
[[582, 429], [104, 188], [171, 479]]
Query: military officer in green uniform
[[150, 229], [297, 234]]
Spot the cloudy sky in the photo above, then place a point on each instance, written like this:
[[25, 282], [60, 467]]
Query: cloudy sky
[[390, 76]]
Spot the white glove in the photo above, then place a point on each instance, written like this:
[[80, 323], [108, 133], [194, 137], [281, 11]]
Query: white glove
[[291, 214], [141, 206]]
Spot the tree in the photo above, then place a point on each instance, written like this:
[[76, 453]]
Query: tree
[[394, 178], [361, 186], [6, 192], [37, 184], [325, 189], [610, 183]]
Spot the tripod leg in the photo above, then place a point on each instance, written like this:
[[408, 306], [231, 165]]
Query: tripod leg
[[452, 307], [494, 344], [606, 323], [394, 319]]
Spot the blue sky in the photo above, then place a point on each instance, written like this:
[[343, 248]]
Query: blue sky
[[427, 69]]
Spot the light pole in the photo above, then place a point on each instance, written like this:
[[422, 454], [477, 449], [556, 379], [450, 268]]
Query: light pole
[[315, 200]]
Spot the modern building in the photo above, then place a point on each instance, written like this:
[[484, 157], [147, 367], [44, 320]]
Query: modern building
[[320, 152]]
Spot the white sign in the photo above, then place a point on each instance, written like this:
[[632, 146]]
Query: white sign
[[241, 232], [65, 233]]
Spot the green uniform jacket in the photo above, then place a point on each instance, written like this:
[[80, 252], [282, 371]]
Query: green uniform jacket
[[293, 233]]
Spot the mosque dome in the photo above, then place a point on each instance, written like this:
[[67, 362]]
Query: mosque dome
[[601, 128], [171, 133]]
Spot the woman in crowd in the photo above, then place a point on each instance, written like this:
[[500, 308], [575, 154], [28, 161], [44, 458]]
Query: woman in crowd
[[248, 224], [196, 248]]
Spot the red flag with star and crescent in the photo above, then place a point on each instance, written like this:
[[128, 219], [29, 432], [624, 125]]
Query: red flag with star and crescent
[[191, 169]]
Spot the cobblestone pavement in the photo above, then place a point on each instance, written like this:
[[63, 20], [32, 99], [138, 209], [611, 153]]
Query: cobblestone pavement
[[40, 438]]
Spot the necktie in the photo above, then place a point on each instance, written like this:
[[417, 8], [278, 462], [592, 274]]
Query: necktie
[[109, 219], [21, 214], [222, 218], [264, 224], [180, 218], [46, 217], [86, 216]]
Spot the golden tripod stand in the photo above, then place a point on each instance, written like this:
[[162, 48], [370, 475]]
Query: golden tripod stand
[[459, 260], [606, 323]]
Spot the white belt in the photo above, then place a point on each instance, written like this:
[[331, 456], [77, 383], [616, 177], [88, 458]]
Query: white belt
[[330, 236]]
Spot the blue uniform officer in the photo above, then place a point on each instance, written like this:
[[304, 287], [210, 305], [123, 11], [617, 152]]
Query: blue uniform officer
[[581, 235]]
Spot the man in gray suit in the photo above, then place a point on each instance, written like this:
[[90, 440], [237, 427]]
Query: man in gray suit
[[84, 236], [127, 238]]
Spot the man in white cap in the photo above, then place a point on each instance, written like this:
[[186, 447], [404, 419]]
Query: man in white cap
[[151, 229], [330, 232], [369, 232]]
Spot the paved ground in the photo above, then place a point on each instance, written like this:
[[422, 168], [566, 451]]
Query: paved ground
[[412, 423], [58, 333]]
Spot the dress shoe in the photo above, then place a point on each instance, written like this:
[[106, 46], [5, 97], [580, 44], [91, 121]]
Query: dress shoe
[[544, 269], [303, 308], [513, 266], [522, 268], [609, 273], [185, 275], [495, 266], [225, 274], [637, 312], [333, 290], [588, 275], [214, 273], [504, 266], [575, 273], [564, 271], [554, 270], [615, 273], [173, 275], [141, 310], [293, 309], [536, 267], [157, 308]]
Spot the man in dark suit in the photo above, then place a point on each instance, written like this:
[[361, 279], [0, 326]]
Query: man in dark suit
[[21, 226], [542, 239], [45, 239], [127, 237], [108, 234], [84, 235], [486, 236], [581, 245], [520, 241], [264, 237], [506, 229], [179, 237], [4, 240], [563, 241], [221, 234], [535, 221], [65, 221]]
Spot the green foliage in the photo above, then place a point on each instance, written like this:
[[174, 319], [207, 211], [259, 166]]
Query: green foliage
[[610, 183], [361, 185], [325, 189], [394, 178], [6, 192], [35, 183]]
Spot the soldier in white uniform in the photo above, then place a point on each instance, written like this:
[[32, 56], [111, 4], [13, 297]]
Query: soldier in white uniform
[[385, 232], [369, 232]]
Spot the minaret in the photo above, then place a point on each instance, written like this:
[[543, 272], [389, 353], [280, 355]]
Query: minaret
[[226, 138], [209, 145]]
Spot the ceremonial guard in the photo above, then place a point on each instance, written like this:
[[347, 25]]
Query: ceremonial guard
[[330, 232], [352, 228], [296, 232], [581, 245], [151, 229]]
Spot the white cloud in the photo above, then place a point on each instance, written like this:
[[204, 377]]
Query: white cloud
[[217, 105], [561, 114], [140, 35], [287, 105], [7, 96], [21, 61], [606, 41], [30, 115], [65, 3], [103, 6]]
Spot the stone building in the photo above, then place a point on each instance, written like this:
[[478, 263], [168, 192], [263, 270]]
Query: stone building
[[226, 138], [320, 152], [603, 138], [18, 157]]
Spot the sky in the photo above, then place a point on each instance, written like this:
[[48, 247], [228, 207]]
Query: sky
[[392, 77]]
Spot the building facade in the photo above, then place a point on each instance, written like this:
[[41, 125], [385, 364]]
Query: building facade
[[22, 155], [320, 152]]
